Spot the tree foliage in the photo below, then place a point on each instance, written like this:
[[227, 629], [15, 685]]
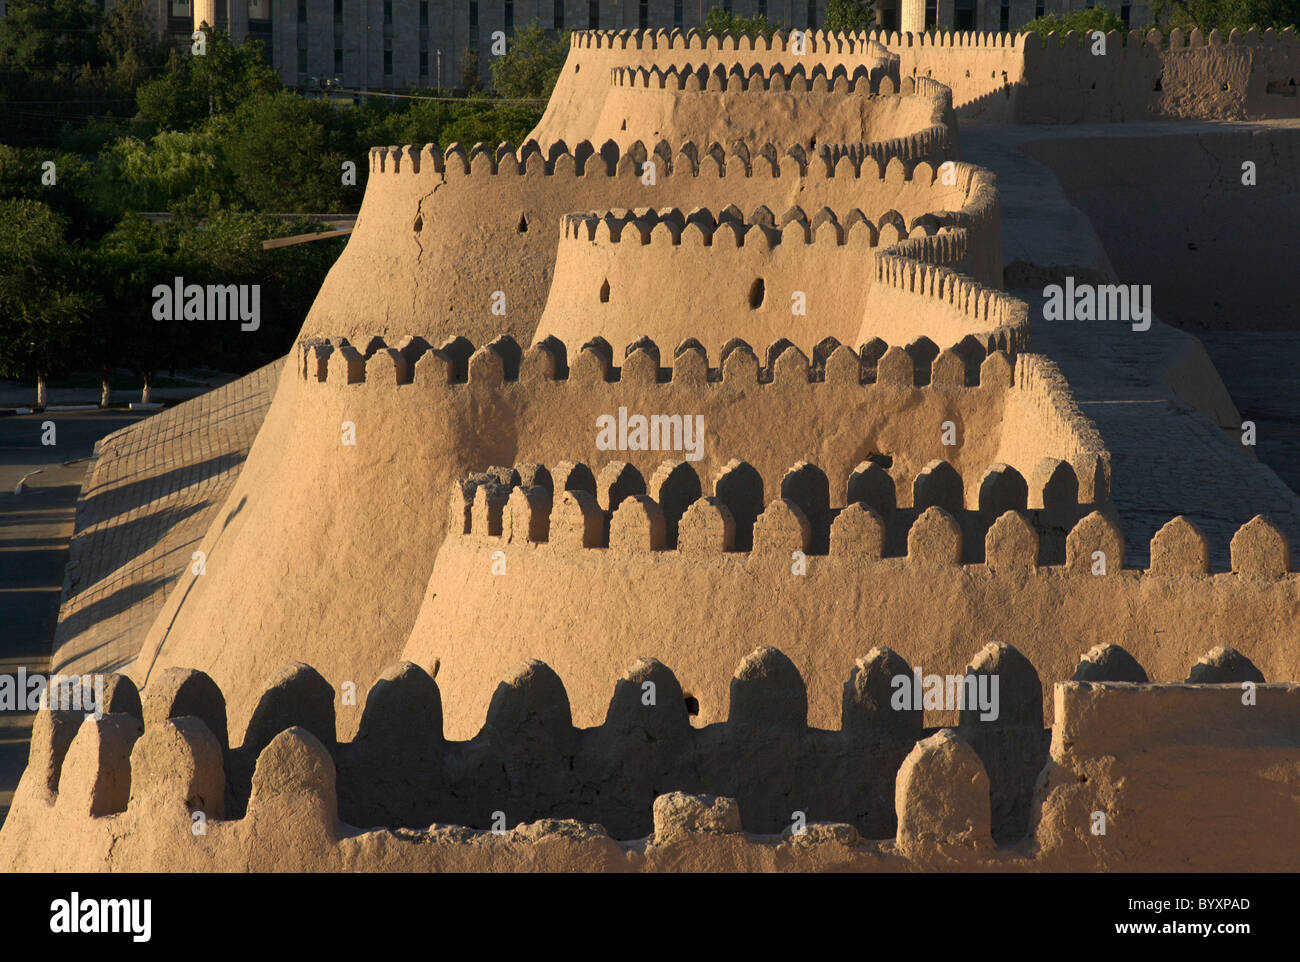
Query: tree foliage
[[531, 64], [720, 20], [849, 16], [1082, 22], [42, 300]]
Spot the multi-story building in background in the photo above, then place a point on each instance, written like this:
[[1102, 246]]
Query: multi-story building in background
[[396, 44]]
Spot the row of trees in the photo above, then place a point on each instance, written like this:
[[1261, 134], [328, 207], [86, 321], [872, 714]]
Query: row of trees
[[101, 122], [1223, 15]]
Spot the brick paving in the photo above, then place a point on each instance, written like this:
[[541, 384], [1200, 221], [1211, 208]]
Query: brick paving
[[150, 493]]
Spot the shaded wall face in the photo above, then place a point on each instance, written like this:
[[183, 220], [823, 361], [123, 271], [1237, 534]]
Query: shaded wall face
[[1173, 213]]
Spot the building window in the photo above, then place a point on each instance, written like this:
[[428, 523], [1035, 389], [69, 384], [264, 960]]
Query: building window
[[812, 14], [388, 63], [181, 8], [338, 11], [388, 11], [1125, 11], [593, 15], [473, 25], [643, 14], [1004, 16], [259, 9], [424, 13], [963, 15], [931, 14], [726, 6], [510, 16], [1039, 8], [559, 14], [338, 60], [424, 63], [302, 11], [678, 19], [762, 8]]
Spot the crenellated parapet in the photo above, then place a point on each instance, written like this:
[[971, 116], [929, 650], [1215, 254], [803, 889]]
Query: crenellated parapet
[[905, 405], [153, 786], [796, 42], [863, 516], [686, 159], [936, 568], [690, 78]]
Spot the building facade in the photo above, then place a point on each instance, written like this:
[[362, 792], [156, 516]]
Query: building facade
[[397, 44]]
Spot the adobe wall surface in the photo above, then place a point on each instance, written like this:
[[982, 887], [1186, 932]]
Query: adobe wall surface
[[1024, 78], [1178, 771], [927, 601], [416, 262], [799, 277], [298, 553], [586, 99], [779, 105]]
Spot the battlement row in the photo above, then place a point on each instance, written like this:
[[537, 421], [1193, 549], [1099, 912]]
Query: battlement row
[[762, 229], [501, 502], [737, 160], [820, 42], [971, 363], [984, 305], [620, 511], [809, 41], [863, 81], [529, 761], [1178, 39]]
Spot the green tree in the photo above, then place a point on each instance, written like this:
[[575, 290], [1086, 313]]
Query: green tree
[[1225, 15], [285, 155], [171, 168], [52, 37], [531, 64], [76, 194], [42, 304], [129, 43], [1082, 22], [193, 89], [720, 20], [469, 76], [849, 16]]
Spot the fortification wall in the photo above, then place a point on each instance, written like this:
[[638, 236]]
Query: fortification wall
[[467, 245], [1024, 78], [584, 96], [154, 787], [783, 105], [296, 556], [798, 275], [641, 594]]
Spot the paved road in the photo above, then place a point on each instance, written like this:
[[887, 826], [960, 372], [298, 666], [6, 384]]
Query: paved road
[[35, 527]]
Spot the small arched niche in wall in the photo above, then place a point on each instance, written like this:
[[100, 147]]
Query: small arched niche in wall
[[756, 294], [604, 291]]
